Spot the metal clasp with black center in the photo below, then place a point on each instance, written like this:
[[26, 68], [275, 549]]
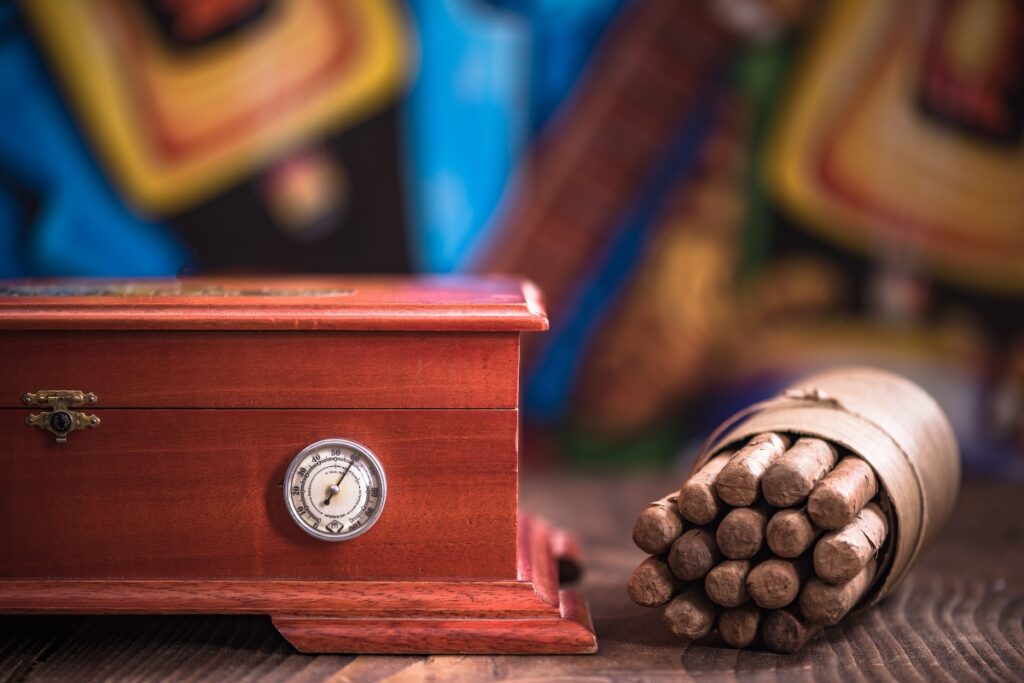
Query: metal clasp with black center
[[60, 420]]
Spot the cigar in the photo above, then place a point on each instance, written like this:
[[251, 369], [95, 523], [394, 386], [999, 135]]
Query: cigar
[[698, 499], [658, 525], [790, 533], [690, 615], [786, 631], [652, 583], [726, 583], [738, 625], [776, 582], [694, 554], [837, 498], [840, 555], [794, 474], [826, 603], [739, 482], [740, 534]]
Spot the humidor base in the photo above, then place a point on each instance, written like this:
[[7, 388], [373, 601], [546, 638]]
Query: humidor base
[[527, 615]]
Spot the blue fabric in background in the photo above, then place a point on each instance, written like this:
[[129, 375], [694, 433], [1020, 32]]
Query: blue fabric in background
[[466, 124], [489, 75], [58, 213]]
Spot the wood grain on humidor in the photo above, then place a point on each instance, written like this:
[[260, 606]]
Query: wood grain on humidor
[[285, 303], [526, 614], [144, 510], [205, 390], [357, 599], [266, 369], [569, 631]]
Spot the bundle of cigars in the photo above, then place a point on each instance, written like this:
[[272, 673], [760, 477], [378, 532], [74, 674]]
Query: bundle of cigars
[[798, 510]]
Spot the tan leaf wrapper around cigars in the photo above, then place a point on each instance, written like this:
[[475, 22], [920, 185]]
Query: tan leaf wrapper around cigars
[[888, 421]]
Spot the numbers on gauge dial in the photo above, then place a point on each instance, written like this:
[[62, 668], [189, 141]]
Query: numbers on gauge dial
[[335, 489]]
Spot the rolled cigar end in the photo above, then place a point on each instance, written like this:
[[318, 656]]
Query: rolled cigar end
[[658, 525], [794, 474], [739, 482], [785, 631], [790, 533], [694, 554], [840, 555], [726, 583], [740, 534], [652, 583], [690, 615], [844, 491], [775, 583], [738, 625], [826, 604], [698, 499]]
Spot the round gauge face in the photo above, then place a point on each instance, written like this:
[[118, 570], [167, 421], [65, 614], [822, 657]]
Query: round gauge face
[[335, 489]]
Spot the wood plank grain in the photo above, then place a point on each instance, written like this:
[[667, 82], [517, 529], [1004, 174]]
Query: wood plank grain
[[198, 493], [180, 648], [960, 616], [265, 369]]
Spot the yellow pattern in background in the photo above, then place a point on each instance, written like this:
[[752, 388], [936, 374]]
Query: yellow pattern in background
[[947, 202], [130, 105]]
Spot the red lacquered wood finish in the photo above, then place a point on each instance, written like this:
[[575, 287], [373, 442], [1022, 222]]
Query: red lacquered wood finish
[[206, 391], [570, 631], [528, 615], [254, 369], [320, 303], [356, 599], [197, 493]]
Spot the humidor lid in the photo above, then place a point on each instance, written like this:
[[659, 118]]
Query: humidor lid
[[276, 303]]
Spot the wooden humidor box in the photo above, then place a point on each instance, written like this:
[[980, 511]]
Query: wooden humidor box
[[206, 390]]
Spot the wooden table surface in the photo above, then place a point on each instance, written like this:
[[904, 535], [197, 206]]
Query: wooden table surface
[[959, 617]]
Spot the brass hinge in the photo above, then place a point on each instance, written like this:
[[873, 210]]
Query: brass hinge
[[60, 420]]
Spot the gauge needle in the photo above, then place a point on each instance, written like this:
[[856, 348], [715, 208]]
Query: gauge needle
[[333, 490]]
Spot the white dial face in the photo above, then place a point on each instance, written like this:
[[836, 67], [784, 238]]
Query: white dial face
[[335, 489]]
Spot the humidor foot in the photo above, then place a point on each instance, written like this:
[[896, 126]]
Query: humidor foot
[[568, 632]]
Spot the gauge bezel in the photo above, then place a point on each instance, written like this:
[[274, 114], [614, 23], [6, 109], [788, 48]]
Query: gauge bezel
[[366, 453]]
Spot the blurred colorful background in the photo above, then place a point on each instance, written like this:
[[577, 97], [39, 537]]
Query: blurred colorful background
[[716, 196]]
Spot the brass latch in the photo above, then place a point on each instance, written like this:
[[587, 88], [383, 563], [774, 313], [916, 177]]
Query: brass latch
[[60, 420]]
